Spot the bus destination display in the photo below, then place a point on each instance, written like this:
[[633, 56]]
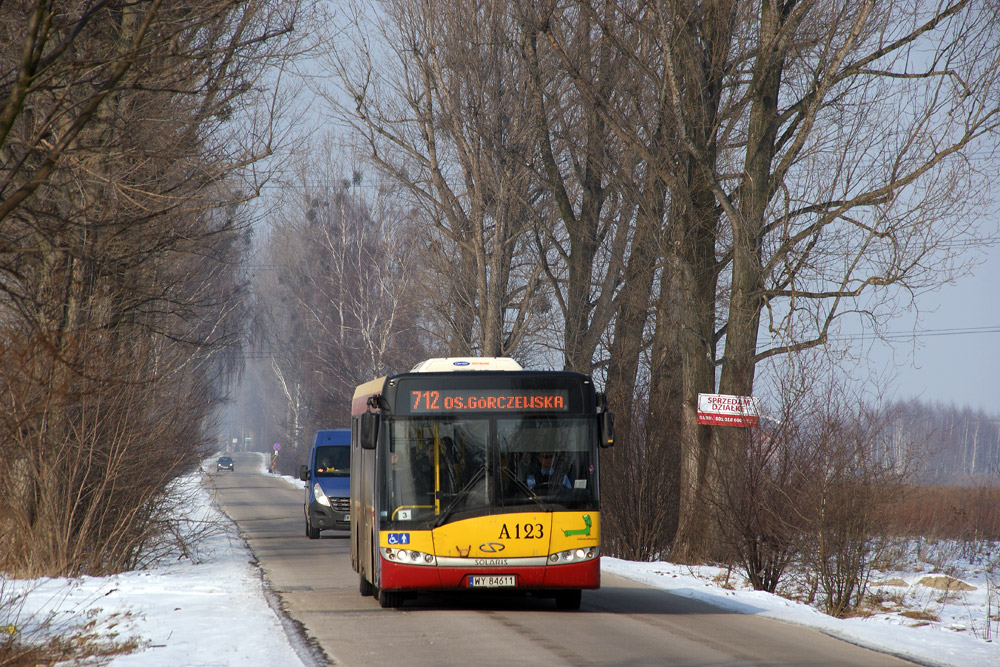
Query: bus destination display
[[488, 400]]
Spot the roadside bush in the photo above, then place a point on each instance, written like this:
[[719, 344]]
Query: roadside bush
[[85, 471], [761, 522], [847, 505], [811, 488]]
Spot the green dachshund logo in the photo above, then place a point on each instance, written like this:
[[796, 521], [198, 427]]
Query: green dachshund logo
[[580, 531]]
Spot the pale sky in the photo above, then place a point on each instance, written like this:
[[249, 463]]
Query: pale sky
[[957, 357]]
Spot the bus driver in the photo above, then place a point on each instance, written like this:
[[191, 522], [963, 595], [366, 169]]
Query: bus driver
[[543, 472]]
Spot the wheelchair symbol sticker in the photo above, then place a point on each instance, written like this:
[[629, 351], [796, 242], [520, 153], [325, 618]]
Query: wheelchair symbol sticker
[[399, 538]]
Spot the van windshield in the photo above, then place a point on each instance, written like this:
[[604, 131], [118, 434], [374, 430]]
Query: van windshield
[[333, 461]]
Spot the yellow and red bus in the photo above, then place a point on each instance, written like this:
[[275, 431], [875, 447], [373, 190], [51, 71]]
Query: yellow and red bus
[[472, 474]]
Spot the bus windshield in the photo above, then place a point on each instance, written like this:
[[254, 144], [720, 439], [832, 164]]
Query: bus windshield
[[547, 461], [440, 469]]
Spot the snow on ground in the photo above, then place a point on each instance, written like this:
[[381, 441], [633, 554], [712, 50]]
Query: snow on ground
[[211, 608], [956, 639], [204, 610]]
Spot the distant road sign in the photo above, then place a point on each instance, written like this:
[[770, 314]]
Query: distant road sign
[[277, 446], [728, 410]]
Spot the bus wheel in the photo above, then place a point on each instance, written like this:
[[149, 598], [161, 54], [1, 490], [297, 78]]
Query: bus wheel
[[389, 599], [568, 600], [311, 533], [366, 586]]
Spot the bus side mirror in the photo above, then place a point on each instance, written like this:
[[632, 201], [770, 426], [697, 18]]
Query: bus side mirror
[[369, 430], [606, 423], [304, 473]]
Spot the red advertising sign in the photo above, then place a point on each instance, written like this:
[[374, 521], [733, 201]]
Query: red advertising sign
[[727, 410]]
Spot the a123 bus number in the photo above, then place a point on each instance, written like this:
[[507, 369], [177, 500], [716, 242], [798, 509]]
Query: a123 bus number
[[522, 531]]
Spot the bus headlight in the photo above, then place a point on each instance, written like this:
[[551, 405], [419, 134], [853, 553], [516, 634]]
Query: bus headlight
[[319, 496], [573, 555], [408, 556]]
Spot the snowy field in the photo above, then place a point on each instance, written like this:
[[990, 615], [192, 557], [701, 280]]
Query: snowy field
[[211, 608], [207, 609]]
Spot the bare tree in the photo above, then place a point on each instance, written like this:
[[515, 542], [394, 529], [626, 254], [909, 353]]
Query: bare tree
[[609, 235], [442, 105], [588, 220], [711, 184], [818, 169], [959, 446], [859, 169], [332, 298], [123, 145], [670, 270]]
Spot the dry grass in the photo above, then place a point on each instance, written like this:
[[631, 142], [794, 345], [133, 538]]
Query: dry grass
[[75, 649], [85, 645], [948, 513], [919, 615], [43, 638], [945, 583]]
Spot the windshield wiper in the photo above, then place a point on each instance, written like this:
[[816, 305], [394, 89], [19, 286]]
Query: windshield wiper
[[527, 490], [464, 491]]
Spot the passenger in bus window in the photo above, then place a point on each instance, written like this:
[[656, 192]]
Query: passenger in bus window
[[422, 469]]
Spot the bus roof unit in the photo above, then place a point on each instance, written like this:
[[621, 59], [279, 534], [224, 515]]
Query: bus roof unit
[[443, 364]]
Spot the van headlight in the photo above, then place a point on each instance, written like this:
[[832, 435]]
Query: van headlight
[[319, 496]]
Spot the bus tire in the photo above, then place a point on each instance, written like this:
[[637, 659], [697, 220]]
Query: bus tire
[[390, 599], [366, 587], [569, 600], [311, 533]]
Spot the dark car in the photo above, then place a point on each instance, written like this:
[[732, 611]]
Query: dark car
[[224, 463]]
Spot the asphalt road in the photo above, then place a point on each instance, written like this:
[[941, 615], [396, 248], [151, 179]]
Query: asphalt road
[[623, 623]]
